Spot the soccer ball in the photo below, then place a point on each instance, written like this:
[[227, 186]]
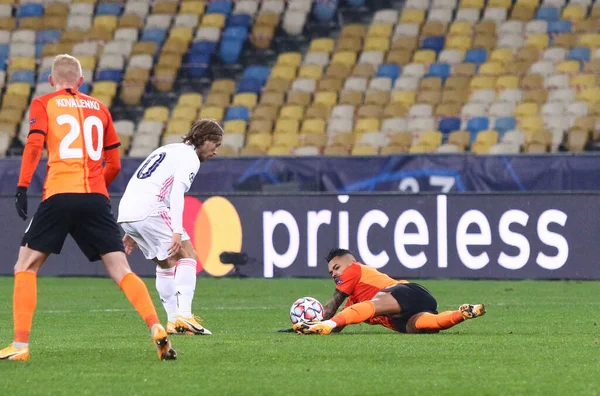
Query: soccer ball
[[306, 310]]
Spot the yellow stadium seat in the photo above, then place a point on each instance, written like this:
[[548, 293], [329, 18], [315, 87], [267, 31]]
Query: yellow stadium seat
[[18, 89], [491, 69], [568, 66], [213, 112], [478, 4], [406, 98], [192, 7], [420, 148], [284, 72], [489, 137], [591, 40], [234, 126], [321, 45], [279, 151], [527, 109], [22, 63], [105, 88], [581, 81], [313, 126], [461, 28], [483, 82], [458, 42], [344, 57], [178, 127], [574, 13], [412, 15], [87, 62], [314, 72], [589, 95], [294, 112], [184, 113], [213, 20], [106, 22], [506, 4], [538, 40], [289, 59], [156, 113], [529, 3], [380, 30], [364, 149], [246, 99], [190, 100], [104, 99], [262, 140], [377, 44], [326, 97], [364, 125], [507, 82], [531, 124], [502, 55], [426, 56], [184, 34], [431, 138], [287, 126], [289, 140]]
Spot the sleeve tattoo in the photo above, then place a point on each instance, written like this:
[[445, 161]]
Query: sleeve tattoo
[[333, 304]]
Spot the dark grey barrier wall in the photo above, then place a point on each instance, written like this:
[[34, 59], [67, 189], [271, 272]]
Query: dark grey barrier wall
[[497, 236]]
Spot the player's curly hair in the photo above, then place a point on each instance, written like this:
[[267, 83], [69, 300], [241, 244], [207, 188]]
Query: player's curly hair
[[336, 252], [203, 130]]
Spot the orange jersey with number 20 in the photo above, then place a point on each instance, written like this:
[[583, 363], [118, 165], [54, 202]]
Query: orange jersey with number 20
[[78, 128]]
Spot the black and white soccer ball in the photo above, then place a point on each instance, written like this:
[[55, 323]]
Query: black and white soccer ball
[[306, 310]]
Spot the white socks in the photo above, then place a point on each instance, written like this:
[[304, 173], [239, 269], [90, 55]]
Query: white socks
[[185, 284], [165, 285]]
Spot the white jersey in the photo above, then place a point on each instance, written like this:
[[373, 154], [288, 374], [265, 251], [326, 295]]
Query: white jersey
[[150, 187]]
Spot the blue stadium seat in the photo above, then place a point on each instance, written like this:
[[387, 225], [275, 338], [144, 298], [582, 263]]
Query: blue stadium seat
[[109, 75], [476, 55], [39, 49], [448, 125], [477, 124], [355, 3], [4, 50], [30, 10], [109, 9], [390, 70], [237, 113], [154, 34], [230, 50], [198, 63], [43, 75], [249, 84], [203, 47], [440, 69], [3, 63], [260, 73], [239, 20], [85, 88], [548, 14], [504, 124], [47, 36], [324, 11], [219, 7], [236, 33], [579, 53], [561, 26], [435, 43], [27, 76]]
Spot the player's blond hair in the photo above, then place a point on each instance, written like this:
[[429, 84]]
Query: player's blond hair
[[66, 69]]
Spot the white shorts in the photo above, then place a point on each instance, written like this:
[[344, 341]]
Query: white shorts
[[153, 235]]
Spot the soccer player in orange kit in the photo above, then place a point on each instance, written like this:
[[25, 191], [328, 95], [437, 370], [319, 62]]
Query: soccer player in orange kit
[[79, 134], [375, 298]]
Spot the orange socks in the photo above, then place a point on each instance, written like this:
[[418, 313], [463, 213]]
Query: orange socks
[[356, 313], [137, 294], [24, 302], [431, 322]]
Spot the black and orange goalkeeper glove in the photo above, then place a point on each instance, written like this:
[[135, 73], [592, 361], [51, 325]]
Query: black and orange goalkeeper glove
[[21, 202]]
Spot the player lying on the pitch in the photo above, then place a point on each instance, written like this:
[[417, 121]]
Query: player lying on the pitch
[[375, 298]]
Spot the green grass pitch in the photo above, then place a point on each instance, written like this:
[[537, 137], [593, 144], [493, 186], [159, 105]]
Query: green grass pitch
[[538, 338]]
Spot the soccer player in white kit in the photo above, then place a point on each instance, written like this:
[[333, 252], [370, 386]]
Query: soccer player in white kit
[[151, 214]]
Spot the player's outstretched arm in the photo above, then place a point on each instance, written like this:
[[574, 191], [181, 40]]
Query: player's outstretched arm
[[112, 166], [333, 304]]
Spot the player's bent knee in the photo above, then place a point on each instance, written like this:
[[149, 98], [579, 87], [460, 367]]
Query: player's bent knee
[[30, 260], [187, 251]]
